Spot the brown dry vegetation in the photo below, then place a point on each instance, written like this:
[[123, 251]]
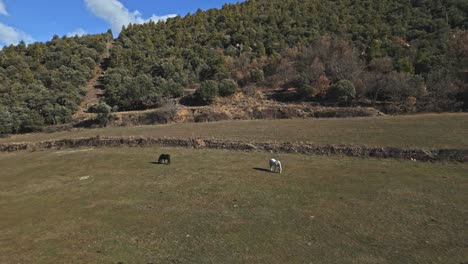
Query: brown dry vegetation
[[237, 107]]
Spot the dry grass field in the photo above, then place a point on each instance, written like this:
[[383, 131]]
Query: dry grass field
[[418, 131], [213, 206]]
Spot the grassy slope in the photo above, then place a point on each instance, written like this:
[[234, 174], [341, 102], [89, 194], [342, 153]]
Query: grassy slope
[[214, 207], [423, 131], [420, 131]]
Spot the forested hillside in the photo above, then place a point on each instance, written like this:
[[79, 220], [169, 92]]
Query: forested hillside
[[408, 55], [40, 84], [412, 53]]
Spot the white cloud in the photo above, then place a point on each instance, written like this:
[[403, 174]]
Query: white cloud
[[10, 35], [3, 10], [117, 15], [78, 32], [160, 18]]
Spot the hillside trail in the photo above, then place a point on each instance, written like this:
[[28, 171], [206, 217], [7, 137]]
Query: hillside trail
[[93, 87]]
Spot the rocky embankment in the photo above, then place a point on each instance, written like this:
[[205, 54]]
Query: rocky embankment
[[452, 155], [237, 107]]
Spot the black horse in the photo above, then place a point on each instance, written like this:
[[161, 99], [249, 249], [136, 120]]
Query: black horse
[[164, 159]]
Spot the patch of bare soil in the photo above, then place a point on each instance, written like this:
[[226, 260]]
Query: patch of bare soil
[[93, 91]]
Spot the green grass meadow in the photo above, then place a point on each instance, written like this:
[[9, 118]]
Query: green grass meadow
[[215, 206], [429, 131]]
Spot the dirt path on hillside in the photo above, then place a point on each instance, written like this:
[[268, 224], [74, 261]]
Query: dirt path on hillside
[[93, 91]]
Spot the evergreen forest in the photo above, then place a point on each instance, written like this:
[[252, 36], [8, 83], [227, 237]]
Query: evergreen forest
[[41, 83], [411, 55]]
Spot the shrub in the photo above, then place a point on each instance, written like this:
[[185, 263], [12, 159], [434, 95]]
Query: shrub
[[342, 91], [257, 76], [227, 87], [410, 104], [103, 110], [6, 122], [250, 90], [92, 108], [167, 112], [207, 92], [303, 87]]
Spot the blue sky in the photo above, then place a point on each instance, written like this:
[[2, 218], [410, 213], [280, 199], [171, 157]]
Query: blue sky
[[40, 20]]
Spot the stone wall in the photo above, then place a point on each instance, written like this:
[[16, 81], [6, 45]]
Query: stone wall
[[454, 155]]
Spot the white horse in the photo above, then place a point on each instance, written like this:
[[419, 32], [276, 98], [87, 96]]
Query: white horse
[[275, 165]]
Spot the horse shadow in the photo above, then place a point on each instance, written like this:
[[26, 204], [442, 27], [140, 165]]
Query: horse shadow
[[262, 169], [157, 163]]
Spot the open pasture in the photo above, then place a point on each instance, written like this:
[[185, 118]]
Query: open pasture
[[430, 131], [113, 205]]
